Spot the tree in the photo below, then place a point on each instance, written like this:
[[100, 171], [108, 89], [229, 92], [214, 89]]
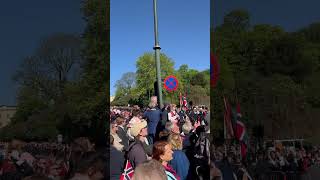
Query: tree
[[61, 52], [272, 73], [237, 20], [126, 82], [146, 72], [51, 67], [95, 69], [42, 77]]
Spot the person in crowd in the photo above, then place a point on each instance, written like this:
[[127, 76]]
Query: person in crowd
[[154, 100], [173, 116], [164, 134], [116, 161], [215, 173], [223, 163], [117, 141], [136, 151], [164, 114], [162, 152], [91, 167], [180, 162], [136, 117], [274, 164], [150, 170], [153, 116], [261, 167], [122, 133], [186, 133]]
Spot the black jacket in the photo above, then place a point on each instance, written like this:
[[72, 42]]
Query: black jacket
[[122, 133], [136, 153], [116, 163]]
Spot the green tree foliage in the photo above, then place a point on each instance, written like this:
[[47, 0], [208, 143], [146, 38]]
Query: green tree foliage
[[146, 72], [194, 84], [272, 73], [51, 99]]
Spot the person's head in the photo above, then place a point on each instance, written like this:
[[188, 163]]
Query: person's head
[[219, 156], [154, 99], [150, 170], [114, 127], [139, 129], [152, 105], [175, 129], [135, 112], [260, 156], [186, 128], [162, 151], [166, 106], [92, 165], [173, 107], [169, 125], [120, 121], [178, 108], [175, 141]]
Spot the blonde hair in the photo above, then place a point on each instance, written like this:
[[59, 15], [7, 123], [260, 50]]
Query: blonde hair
[[172, 106], [175, 141]]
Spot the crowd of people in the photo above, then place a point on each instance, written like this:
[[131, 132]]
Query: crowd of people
[[52, 161], [150, 143], [265, 163], [175, 139]]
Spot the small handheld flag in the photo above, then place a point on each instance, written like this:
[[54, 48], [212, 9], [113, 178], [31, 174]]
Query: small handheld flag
[[128, 172]]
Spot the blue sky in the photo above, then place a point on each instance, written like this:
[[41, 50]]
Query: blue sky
[[23, 25], [184, 33], [289, 14]]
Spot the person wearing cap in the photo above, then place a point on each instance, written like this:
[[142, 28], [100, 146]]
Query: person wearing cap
[[136, 151]]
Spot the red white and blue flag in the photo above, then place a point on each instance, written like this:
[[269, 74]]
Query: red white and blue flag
[[128, 172], [240, 132], [183, 101]]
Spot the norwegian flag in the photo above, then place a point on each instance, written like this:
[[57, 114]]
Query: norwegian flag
[[128, 172], [240, 132], [184, 100]]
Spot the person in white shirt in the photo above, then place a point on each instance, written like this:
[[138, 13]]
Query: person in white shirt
[[173, 116]]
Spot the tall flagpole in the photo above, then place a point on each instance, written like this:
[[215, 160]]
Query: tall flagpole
[[157, 53]]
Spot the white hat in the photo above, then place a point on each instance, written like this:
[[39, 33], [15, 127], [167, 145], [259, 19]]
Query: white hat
[[136, 128], [133, 121]]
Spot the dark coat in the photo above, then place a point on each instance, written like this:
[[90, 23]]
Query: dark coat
[[122, 133], [116, 163], [136, 153], [153, 117]]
